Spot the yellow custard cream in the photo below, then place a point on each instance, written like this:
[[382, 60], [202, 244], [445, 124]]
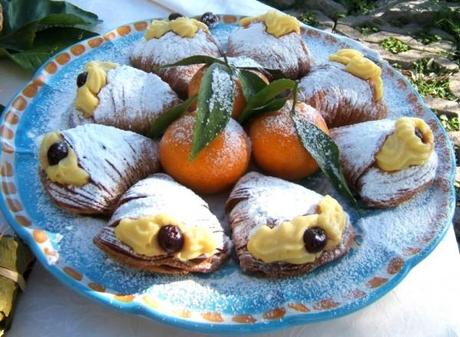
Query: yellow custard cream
[[410, 144], [67, 171], [360, 66], [87, 100], [284, 243], [141, 235], [182, 26], [278, 24]]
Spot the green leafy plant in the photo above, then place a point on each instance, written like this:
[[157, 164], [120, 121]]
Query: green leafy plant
[[394, 45], [34, 30], [309, 18], [430, 79], [358, 7], [450, 123], [427, 38], [448, 19], [432, 86], [368, 29], [427, 66]]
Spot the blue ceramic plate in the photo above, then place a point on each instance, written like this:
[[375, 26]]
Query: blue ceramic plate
[[388, 245]]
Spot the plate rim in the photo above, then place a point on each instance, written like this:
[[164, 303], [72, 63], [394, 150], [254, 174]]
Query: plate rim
[[210, 326]]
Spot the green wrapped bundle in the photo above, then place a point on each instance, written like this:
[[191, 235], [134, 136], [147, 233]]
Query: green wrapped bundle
[[15, 264]]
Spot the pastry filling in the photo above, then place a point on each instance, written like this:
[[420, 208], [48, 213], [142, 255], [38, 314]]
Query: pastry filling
[[410, 144], [276, 23], [302, 239], [60, 162], [360, 66], [182, 26], [89, 84], [160, 234]]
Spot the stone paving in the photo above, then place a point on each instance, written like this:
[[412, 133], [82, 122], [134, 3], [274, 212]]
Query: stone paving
[[404, 33]]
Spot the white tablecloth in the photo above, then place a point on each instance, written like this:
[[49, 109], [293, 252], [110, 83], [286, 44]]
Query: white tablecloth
[[426, 303]]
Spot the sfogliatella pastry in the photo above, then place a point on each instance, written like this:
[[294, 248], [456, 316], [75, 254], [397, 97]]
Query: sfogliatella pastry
[[86, 169], [347, 90], [161, 226], [282, 229], [274, 41], [167, 42], [120, 96], [387, 162]]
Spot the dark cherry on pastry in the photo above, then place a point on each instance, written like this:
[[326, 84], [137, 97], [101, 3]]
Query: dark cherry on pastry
[[163, 227], [81, 79], [57, 152], [387, 162], [283, 229], [171, 239], [167, 42], [315, 239], [120, 96], [346, 91], [209, 19], [274, 40], [174, 16], [86, 169]]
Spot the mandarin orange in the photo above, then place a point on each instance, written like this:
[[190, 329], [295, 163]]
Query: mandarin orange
[[216, 168], [239, 101], [276, 146]]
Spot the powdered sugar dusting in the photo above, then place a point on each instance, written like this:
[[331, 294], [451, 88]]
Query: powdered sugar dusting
[[287, 53], [382, 187], [171, 48], [243, 62], [222, 90]]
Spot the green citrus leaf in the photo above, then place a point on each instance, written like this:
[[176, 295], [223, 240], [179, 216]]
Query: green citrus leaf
[[20, 39], [54, 39], [215, 105], [197, 59], [25, 20], [274, 105], [264, 96], [18, 13], [30, 59], [325, 152], [166, 118], [251, 84], [275, 74], [47, 43], [3, 53]]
